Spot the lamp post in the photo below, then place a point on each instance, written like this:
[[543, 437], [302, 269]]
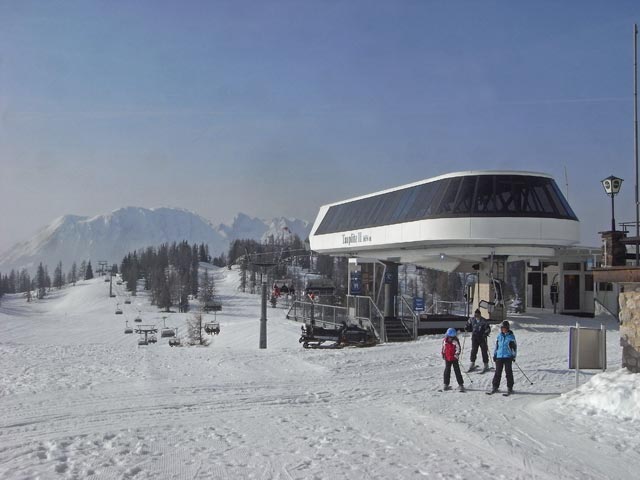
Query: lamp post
[[612, 186]]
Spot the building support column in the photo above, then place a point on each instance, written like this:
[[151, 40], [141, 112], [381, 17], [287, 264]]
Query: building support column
[[390, 289]]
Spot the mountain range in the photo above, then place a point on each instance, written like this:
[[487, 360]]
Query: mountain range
[[111, 236]]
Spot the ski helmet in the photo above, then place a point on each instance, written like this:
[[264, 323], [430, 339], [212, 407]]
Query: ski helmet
[[451, 332], [505, 324]]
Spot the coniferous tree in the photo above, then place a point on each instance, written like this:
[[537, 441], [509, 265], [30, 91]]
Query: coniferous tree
[[58, 276], [206, 288], [13, 282], [24, 281], [73, 274], [83, 269], [195, 267], [88, 273], [47, 278], [41, 282], [164, 298], [183, 301]]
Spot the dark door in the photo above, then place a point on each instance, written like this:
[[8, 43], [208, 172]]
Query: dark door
[[536, 294], [572, 292]]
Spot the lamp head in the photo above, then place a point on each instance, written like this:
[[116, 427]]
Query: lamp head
[[612, 185]]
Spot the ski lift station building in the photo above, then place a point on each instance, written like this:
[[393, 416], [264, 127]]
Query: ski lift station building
[[472, 222]]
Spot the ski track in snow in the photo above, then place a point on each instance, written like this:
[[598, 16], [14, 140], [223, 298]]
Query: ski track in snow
[[79, 399]]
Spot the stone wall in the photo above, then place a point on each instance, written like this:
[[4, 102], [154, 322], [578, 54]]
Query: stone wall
[[630, 327]]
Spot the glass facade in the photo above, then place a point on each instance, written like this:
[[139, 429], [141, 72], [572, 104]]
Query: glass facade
[[464, 196]]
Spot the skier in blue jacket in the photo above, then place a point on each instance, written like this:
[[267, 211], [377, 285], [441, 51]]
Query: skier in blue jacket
[[503, 356]]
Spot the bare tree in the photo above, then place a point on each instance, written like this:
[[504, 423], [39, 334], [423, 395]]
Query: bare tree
[[194, 330]]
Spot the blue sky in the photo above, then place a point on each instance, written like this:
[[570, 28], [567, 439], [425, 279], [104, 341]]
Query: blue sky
[[275, 108]]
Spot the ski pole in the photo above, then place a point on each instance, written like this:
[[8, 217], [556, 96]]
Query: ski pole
[[525, 375], [465, 372], [464, 339]]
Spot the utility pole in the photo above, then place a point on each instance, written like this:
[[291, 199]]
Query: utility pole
[[635, 132]]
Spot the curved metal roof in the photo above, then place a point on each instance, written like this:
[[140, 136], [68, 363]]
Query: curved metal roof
[[441, 177]]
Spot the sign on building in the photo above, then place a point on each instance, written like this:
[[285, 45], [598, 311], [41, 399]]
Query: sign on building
[[356, 283]]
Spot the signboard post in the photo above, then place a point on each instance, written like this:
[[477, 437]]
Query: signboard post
[[587, 349]]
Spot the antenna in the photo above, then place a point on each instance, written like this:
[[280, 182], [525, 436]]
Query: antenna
[[566, 182]]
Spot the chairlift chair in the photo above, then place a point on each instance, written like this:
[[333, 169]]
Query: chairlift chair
[[138, 319], [174, 342], [127, 301], [118, 309], [212, 328], [142, 341], [127, 328], [152, 339], [167, 332]]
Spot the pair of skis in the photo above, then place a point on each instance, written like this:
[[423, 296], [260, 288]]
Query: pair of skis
[[506, 394], [475, 367]]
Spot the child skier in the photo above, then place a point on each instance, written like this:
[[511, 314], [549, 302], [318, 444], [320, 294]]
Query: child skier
[[503, 356], [450, 353]]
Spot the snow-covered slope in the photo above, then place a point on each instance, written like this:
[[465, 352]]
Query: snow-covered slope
[[109, 237], [80, 399]]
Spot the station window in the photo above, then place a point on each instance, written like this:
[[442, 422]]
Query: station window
[[588, 283], [605, 286]]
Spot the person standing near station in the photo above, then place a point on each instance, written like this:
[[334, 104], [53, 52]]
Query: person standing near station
[[480, 330], [504, 355], [450, 354]]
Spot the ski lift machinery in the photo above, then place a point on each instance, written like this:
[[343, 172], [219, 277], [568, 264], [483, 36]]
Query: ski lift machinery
[[498, 297]]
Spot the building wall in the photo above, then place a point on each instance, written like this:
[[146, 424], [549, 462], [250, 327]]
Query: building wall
[[630, 327]]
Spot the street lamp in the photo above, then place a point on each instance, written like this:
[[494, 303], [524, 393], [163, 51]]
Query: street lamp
[[612, 186]]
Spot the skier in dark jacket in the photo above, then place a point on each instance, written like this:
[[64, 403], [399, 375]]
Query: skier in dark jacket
[[450, 353], [503, 356], [480, 330]]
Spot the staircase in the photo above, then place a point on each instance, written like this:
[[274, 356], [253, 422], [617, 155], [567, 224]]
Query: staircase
[[396, 330]]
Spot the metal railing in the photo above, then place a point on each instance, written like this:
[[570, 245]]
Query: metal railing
[[359, 310], [364, 308], [405, 313], [597, 301], [456, 308]]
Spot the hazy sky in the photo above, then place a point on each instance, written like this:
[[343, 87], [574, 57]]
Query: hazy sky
[[275, 108]]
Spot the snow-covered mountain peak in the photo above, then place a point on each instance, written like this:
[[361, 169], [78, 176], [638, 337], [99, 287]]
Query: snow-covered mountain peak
[[112, 235]]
